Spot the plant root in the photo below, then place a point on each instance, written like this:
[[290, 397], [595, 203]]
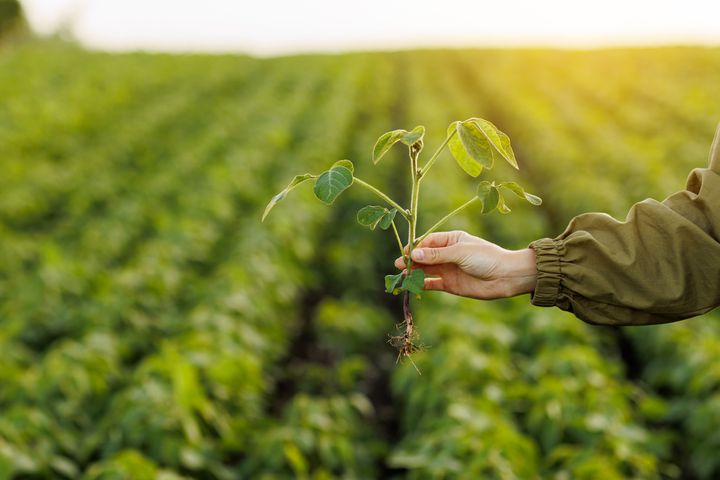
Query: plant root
[[405, 342]]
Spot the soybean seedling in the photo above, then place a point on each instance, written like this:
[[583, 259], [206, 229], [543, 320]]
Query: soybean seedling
[[475, 144]]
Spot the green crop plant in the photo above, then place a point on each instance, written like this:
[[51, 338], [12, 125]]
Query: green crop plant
[[475, 144]]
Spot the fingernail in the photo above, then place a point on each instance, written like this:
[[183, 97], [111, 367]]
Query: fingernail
[[418, 255]]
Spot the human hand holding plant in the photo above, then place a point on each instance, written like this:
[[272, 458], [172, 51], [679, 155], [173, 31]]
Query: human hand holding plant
[[461, 266]]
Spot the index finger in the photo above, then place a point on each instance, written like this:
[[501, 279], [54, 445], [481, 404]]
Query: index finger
[[442, 239]]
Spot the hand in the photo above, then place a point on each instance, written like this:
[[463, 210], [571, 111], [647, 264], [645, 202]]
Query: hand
[[462, 264]]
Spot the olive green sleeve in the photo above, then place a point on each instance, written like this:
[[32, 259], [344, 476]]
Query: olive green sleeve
[[660, 265]]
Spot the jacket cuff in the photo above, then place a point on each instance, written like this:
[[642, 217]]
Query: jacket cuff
[[548, 253]]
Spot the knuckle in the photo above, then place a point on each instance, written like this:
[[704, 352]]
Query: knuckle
[[458, 251], [430, 238], [466, 237]]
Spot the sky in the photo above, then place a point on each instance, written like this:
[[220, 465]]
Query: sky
[[272, 27]]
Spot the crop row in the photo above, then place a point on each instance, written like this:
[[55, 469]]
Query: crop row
[[152, 327], [661, 163], [165, 344], [533, 391]]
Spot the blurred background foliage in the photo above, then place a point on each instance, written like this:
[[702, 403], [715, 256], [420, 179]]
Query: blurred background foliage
[[151, 327], [11, 17]]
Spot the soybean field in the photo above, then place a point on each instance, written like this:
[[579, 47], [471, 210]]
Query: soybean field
[[152, 327]]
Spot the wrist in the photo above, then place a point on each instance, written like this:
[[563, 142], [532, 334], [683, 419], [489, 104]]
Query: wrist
[[520, 272]]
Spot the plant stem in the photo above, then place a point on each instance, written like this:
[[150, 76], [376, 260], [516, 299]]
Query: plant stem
[[406, 346], [414, 198], [435, 156], [397, 237], [446, 218], [380, 194]]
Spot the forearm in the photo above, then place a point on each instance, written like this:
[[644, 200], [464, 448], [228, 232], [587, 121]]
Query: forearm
[[519, 272]]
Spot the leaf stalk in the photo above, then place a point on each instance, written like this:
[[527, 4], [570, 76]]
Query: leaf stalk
[[435, 155], [397, 237], [446, 218], [380, 194]]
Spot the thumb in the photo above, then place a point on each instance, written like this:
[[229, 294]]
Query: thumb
[[433, 256]]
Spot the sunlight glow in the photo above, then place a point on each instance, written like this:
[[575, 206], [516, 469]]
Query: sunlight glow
[[276, 26]]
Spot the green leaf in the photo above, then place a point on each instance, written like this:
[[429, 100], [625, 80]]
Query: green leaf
[[499, 141], [387, 219], [392, 282], [373, 215], [332, 183], [370, 215], [533, 199], [488, 195], [413, 136], [520, 192], [295, 182], [501, 205], [476, 143], [415, 281], [345, 163], [296, 459], [507, 151], [385, 142], [466, 162]]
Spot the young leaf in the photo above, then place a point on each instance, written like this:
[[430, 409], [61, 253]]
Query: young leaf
[[415, 281], [533, 199], [373, 215], [345, 163], [498, 140], [387, 219], [385, 142], [415, 135], [507, 151], [476, 143], [471, 166], [332, 183], [501, 205], [488, 195], [520, 192], [392, 282], [370, 216], [295, 182]]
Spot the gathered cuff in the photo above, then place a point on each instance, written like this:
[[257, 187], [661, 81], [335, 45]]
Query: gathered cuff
[[548, 253]]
